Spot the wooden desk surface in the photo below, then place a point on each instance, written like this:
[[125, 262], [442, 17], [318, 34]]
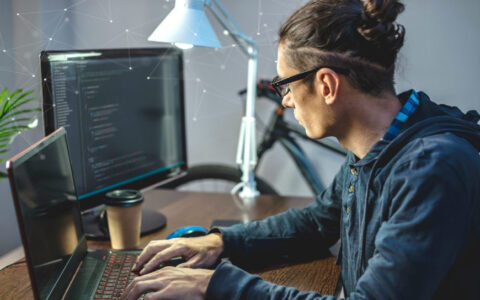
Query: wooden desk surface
[[189, 208]]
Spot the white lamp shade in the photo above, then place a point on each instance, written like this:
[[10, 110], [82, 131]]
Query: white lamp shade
[[186, 24]]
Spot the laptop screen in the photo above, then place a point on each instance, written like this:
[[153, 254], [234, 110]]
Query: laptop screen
[[47, 208]]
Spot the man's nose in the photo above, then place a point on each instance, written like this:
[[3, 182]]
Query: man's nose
[[287, 101]]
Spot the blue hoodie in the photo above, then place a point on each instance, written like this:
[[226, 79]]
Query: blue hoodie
[[408, 215]]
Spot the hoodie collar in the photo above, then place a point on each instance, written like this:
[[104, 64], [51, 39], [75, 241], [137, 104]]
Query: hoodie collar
[[395, 127], [429, 118]]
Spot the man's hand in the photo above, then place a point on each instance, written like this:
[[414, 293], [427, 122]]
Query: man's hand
[[197, 252], [170, 283]]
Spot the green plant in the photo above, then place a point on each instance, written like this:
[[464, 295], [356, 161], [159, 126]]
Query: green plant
[[14, 118]]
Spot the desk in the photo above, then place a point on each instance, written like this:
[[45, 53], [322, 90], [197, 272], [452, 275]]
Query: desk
[[190, 208]]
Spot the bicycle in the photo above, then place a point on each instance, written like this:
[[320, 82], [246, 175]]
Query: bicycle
[[222, 178]]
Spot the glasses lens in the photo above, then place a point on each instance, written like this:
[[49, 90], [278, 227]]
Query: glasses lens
[[284, 89], [281, 90]]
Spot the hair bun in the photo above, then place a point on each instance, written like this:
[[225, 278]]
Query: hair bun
[[377, 23]]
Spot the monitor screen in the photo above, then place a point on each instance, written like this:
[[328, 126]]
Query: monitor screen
[[123, 110]]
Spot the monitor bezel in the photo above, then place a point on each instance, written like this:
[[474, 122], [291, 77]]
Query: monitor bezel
[[142, 184]]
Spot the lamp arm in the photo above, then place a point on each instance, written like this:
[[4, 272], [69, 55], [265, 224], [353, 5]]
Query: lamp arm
[[247, 150], [248, 45]]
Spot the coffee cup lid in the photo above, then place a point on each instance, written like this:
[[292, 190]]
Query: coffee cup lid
[[123, 198]]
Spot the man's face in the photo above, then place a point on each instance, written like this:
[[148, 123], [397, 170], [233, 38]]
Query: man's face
[[308, 106]]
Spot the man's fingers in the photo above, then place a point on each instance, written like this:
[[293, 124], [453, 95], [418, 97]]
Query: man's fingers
[[144, 278], [191, 263], [166, 293], [160, 258], [140, 286], [147, 253]]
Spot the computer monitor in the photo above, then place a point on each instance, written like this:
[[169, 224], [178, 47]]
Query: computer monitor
[[123, 110]]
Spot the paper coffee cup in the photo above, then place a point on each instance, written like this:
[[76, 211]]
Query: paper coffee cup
[[124, 217]]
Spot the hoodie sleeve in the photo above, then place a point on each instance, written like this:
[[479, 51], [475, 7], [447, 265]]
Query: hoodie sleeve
[[304, 233], [231, 282]]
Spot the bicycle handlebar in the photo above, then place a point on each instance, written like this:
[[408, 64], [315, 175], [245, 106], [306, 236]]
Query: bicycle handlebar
[[265, 89]]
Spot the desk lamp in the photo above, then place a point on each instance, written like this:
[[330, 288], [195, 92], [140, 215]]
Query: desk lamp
[[187, 26]]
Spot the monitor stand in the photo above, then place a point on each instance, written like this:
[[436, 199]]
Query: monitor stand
[[96, 228]]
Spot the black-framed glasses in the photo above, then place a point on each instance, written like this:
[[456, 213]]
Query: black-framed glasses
[[281, 85]]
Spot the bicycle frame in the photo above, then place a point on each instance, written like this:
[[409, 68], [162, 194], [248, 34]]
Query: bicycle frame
[[280, 130]]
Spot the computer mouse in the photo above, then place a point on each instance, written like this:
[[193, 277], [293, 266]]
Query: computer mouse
[[188, 231]]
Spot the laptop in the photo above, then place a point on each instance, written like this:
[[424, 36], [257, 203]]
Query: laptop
[[59, 263]]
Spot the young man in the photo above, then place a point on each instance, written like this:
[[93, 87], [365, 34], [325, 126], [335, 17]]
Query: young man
[[405, 204]]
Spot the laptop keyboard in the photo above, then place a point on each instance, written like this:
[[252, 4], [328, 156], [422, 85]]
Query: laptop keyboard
[[117, 276]]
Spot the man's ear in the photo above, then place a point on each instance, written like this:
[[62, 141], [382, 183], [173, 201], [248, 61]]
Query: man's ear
[[329, 83]]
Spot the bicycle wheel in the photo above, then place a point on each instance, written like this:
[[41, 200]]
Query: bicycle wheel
[[215, 178]]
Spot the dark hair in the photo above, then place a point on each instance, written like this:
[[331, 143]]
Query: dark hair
[[361, 36]]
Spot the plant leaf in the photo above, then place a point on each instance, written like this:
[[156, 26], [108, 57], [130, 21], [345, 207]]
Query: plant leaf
[[4, 160], [15, 93], [18, 112], [13, 106], [10, 105], [3, 94], [15, 128], [19, 120], [5, 104], [19, 98], [12, 131], [8, 134], [9, 99]]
